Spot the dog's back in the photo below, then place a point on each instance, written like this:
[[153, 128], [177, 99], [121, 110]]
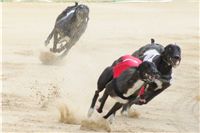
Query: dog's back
[[155, 47], [68, 25]]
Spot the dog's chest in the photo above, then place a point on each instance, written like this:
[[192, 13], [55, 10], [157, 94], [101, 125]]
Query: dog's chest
[[137, 85], [159, 84]]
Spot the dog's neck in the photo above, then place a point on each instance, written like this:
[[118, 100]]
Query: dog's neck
[[162, 66], [137, 76]]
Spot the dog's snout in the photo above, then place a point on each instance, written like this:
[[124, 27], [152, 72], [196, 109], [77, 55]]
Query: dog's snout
[[176, 57], [175, 60]]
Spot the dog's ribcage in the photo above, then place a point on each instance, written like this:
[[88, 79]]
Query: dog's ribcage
[[137, 85]]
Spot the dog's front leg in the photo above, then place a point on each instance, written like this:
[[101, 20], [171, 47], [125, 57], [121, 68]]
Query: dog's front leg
[[113, 110], [127, 106], [54, 49], [49, 37], [104, 98], [125, 109]]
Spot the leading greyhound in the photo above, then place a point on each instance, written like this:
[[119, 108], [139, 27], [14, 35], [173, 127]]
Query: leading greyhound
[[129, 76]]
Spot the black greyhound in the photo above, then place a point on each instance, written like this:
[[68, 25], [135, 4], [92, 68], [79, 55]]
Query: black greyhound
[[69, 27], [107, 75], [165, 59], [125, 87]]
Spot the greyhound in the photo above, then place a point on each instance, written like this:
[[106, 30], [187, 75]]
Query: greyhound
[[125, 86], [69, 27], [165, 58]]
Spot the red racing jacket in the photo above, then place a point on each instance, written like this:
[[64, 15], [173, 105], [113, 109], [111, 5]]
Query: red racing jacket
[[127, 61]]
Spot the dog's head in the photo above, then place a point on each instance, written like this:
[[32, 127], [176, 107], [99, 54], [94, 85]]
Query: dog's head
[[148, 71], [172, 55], [82, 12]]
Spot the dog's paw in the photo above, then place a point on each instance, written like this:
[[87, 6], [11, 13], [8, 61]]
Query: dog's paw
[[90, 112], [60, 49], [53, 50], [99, 110], [124, 112], [46, 42], [111, 118]]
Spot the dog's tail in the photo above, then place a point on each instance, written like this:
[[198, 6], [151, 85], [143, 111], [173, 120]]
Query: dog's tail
[[152, 40], [76, 3]]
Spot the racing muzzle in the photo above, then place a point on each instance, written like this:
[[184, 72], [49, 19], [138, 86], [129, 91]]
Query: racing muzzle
[[174, 61], [151, 77]]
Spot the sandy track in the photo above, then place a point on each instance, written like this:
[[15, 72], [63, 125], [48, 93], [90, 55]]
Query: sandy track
[[32, 91]]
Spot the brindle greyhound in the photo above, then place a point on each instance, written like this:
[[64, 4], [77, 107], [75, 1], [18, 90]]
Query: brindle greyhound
[[165, 58], [69, 27], [125, 87]]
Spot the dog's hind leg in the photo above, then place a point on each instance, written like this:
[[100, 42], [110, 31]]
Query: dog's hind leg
[[66, 46], [104, 98], [64, 39], [113, 110], [49, 38], [105, 77], [94, 100], [91, 110]]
